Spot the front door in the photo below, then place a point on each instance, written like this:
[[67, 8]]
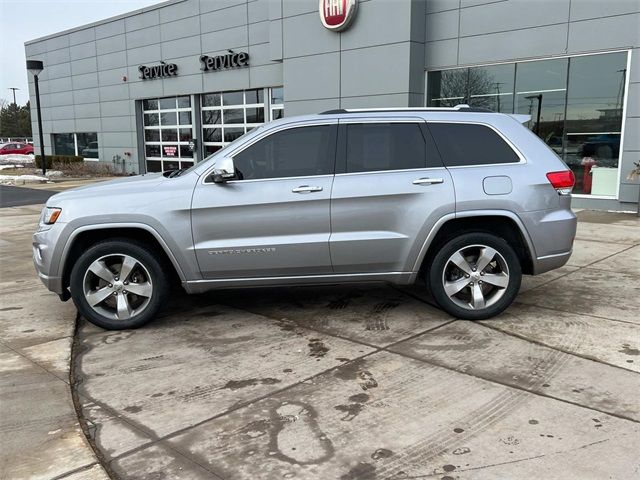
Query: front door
[[390, 189], [273, 219]]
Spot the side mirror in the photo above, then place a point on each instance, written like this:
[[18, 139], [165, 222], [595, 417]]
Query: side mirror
[[223, 170]]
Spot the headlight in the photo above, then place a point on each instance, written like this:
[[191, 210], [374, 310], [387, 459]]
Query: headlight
[[50, 215]]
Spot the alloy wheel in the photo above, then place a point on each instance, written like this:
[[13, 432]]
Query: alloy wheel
[[475, 277], [117, 286]]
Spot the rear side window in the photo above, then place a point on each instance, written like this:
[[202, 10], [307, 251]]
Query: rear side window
[[295, 152], [384, 146], [462, 144]]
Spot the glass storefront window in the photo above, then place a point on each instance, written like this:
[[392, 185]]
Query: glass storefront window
[[576, 106], [447, 88], [594, 121], [87, 144], [64, 144], [541, 89], [492, 87], [84, 144]]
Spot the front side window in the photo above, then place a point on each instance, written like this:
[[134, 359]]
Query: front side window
[[384, 146], [295, 152], [465, 144]]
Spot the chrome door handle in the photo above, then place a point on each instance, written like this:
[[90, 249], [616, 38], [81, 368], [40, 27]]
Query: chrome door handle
[[427, 181], [306, 189]]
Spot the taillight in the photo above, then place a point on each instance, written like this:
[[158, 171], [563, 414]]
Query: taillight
[[562, 181]]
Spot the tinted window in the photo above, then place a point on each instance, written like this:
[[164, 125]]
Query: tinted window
[[296, 152], [470, 144], [385, 146]]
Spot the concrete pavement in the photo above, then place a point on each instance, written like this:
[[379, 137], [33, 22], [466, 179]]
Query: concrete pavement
[[344, 382], [40, 435], [371, 382]]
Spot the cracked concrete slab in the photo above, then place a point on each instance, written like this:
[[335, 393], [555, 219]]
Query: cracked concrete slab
[[628, 234], [376, 315], [40, 436], [389, 416], [477, 350], [226, 356], [591, 292], [627, 261], [586, 252], [615, 343], [529, 282]]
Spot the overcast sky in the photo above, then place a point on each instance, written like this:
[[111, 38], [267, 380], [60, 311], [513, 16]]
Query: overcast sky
[[24, 20]]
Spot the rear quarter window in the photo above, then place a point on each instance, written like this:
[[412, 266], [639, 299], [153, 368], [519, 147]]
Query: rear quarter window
[[466, 144]]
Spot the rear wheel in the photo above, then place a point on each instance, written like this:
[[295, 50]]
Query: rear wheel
[[475, 276], [118, 284]]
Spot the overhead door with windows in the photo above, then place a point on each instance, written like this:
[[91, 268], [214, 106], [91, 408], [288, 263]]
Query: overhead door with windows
[[390, 188], [168, 129]]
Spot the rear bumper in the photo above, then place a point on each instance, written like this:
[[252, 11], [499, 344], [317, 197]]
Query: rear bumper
[[550, 262], [552, 233]]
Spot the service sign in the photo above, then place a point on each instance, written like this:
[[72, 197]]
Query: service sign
[[158, 71], [337, 15], [170, 151]]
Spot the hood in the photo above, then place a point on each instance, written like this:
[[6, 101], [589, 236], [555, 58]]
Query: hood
[[111, 187]]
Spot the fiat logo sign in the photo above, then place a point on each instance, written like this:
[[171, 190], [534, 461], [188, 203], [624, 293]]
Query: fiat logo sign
[[337, 15]]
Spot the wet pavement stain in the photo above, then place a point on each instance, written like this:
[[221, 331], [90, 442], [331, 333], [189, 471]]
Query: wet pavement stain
[[359, 398], [297, 438], [627, 350], [533, 422], [10, 309], [132, 409], [351, 410], [362, 471], [381, 453], [317, 348], [30, 330], [249, 382], [367, 381], [461, 451], [116, 337]]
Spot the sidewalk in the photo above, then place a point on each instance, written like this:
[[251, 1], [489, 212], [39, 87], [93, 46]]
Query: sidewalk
[[40, 436]]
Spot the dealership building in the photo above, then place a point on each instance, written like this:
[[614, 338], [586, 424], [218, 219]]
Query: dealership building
[[165, 86]]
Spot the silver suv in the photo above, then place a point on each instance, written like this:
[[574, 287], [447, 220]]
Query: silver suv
[[466, 200]]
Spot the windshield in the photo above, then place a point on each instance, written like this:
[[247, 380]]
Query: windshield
[[222, 150]]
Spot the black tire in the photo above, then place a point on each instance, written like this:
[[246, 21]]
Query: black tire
[[148, 265], [504, 296]]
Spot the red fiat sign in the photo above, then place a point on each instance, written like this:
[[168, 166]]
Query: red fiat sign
[[337, 14]]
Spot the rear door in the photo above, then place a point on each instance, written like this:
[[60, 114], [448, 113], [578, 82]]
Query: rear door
[[390, 189], [273, 219]]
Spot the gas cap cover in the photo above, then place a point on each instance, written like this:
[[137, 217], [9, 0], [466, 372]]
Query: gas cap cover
[[498, 185]]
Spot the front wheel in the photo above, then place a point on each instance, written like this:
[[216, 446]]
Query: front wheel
[[118, 284], [475, 276]]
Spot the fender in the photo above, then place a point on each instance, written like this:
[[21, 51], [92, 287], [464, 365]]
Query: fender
[[466, 214], [103, 226]]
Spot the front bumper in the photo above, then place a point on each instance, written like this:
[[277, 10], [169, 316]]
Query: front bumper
[[43, 245]]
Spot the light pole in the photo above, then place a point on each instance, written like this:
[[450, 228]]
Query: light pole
[[35, 67], [14, 93]]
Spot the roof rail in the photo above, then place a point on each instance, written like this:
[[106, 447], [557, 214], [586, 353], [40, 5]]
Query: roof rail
[[457, 108]]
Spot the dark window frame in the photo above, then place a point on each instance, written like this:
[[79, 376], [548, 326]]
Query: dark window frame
[[432, 158], [334, 136], [440, 145]]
